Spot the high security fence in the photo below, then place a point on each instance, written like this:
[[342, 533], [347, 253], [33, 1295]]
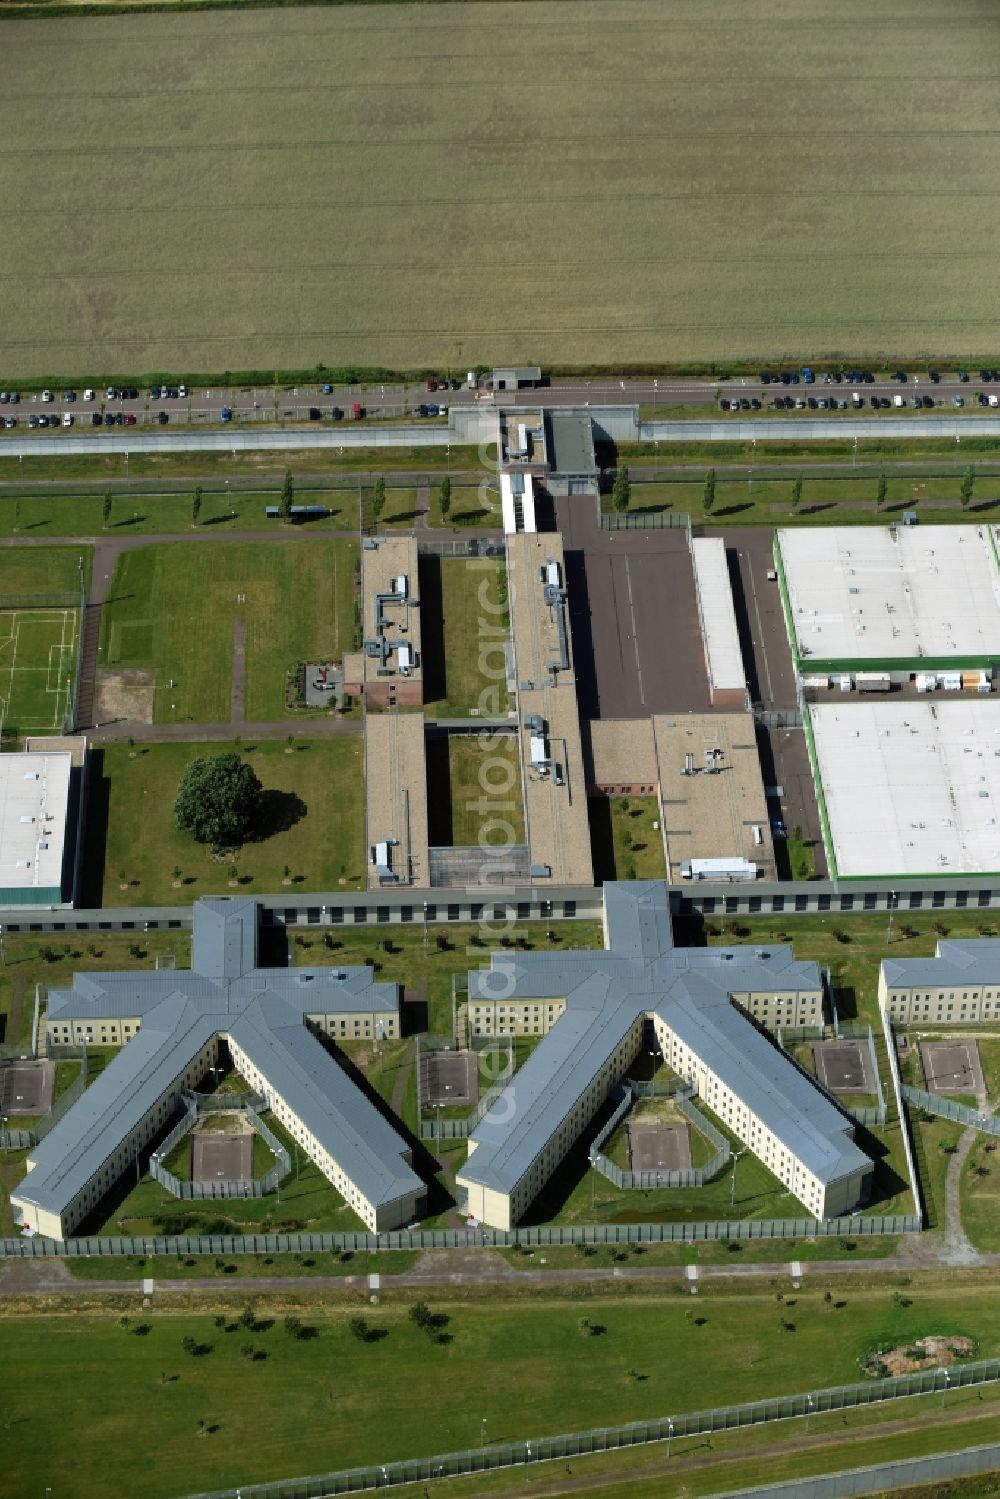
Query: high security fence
[[24, 1139], [858, 1226], [867, 1114], [946, 1108], [691, 1176], [645, 520], [459, 1129], [906, 1473], [197, 1191], [609, 1438]]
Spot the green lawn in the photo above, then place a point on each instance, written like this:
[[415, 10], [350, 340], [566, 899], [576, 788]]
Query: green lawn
[[43, 569], [426, 962], [659, 1111], [625, 844], [313, 822], [981, 1194], [51, 961], [307, 1203], [173, 609], [465, 627], [474, 790], [652, 1357], [144, 510], [38, 645]]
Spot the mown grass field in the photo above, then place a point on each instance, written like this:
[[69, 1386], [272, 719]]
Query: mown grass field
[[312, 823], [172, 609], [495, 182], [653, 1356]]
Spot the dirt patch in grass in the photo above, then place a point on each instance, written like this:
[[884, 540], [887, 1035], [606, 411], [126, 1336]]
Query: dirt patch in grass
[[933, 1351], [127, 694]]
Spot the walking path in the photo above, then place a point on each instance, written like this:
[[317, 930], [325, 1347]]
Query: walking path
[[440, 1267], [238, 691], [204, 733]]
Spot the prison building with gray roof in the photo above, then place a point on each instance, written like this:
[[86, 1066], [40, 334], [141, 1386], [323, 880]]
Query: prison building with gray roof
[[593, 1007], [960, 985], [170, 1024]]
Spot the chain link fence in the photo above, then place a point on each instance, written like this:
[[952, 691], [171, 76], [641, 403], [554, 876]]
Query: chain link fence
[[634, 1434]]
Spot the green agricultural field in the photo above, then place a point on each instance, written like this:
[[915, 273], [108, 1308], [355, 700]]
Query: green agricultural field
[[702, 220], [174, 610], [313, 823], [303, 1404]]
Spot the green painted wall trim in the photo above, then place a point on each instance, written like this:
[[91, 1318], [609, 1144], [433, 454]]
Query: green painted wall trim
[[935, 874], [809, 666]]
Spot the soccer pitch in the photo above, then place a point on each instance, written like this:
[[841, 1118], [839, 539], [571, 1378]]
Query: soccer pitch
[[37, 669], [444, 185]]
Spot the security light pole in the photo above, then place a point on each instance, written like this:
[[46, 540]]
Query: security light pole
[[732, 1194], [892, 899]]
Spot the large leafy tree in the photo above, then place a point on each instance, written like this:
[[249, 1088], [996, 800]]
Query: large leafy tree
[[219, 800]]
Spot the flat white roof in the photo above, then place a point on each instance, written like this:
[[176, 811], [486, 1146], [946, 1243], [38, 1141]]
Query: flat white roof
[[717, 613], [907, 593], [34, 798], [911, 788]]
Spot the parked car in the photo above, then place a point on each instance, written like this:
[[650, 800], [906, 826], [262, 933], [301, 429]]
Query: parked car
[[958, 400], [67, 419], [422, 409], [337, 412], [130, 418], [314, 413], [431, 383], [154, 392], [432, 409], [70, 395], [182, 391], [10, 421], [163, 417], [109, 418], [111, 394], [88, 394], [225, 415], [328, 389], [46, 395], [96, 419]]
